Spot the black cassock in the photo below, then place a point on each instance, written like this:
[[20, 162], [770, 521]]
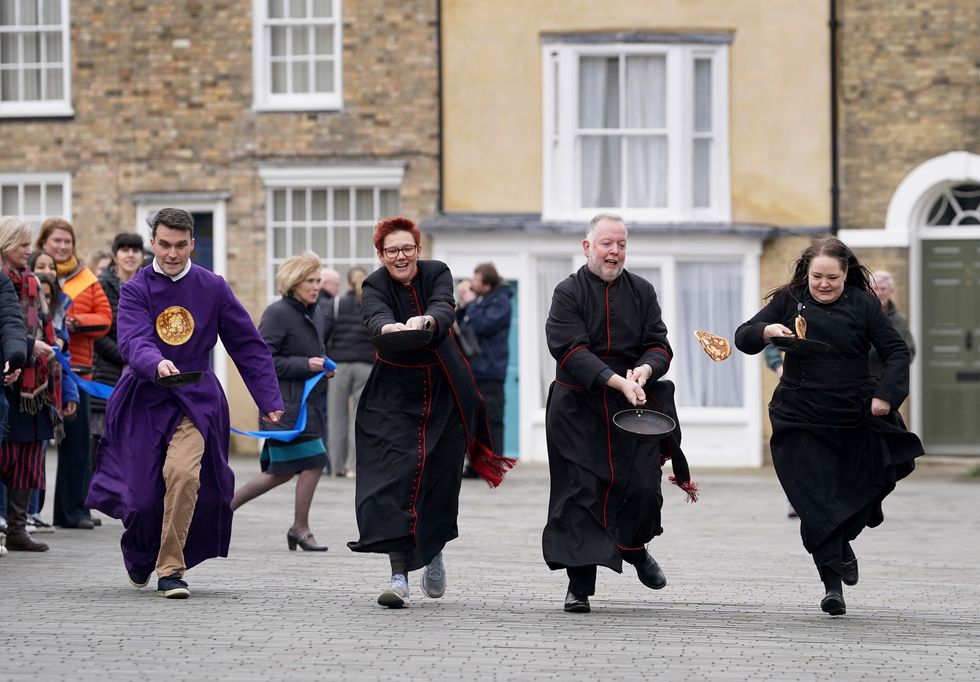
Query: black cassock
[[605, 485], [419, 412], [835, 460]]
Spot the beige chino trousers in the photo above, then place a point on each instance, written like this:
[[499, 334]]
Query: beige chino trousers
[[182, 480]]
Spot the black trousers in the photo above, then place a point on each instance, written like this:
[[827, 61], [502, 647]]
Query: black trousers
[[581, 579], [71, 481], [493, 395]]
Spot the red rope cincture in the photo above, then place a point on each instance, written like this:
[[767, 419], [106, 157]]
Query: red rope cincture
[[487, 465], [689, 487]]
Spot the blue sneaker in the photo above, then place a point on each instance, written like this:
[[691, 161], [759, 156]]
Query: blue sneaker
[[139, 579], [172, 587], [433, 580], [395, 596]]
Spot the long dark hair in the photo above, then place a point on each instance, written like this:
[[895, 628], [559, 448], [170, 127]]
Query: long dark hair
[[857, 276]]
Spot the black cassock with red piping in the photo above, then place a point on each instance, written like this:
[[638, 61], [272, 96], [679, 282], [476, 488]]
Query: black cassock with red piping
[[605, 485], [419, 413]]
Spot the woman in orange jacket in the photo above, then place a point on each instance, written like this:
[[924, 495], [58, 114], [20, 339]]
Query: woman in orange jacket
[[88, 317]]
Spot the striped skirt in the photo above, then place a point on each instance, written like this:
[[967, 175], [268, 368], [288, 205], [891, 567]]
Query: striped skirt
[[22, 465]]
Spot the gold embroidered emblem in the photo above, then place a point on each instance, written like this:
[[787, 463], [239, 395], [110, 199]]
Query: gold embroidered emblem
[[175, 325]]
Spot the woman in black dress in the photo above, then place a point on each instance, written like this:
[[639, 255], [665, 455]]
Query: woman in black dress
[[418, 414], [838, 442]]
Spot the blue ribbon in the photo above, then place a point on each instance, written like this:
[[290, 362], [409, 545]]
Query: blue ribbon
[[286, 436], [93, 388]]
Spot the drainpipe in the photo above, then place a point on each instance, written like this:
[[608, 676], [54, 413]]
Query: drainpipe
[[439, 153], [834, 132]]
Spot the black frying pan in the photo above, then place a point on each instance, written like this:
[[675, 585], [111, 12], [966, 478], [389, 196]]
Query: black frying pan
[[644, 424], [793, 344], [180, 379], [408, 339]]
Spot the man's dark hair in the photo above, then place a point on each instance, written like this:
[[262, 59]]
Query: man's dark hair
[[175, 219], [127, 240], [488, 273]]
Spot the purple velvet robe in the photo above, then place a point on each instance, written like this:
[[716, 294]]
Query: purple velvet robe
[[141, 417]]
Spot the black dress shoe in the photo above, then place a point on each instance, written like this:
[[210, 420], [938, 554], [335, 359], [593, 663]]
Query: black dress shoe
[[849, 567], [576, 604], [649, 573], [833, 604]]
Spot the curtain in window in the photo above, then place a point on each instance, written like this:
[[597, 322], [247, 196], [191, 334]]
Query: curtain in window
[[709, 298], [646, 108], [599, 108], [550, 272]]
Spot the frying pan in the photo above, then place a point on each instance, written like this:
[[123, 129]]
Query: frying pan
[[408, 339], [179, 379], [644, 424], [794, 344]]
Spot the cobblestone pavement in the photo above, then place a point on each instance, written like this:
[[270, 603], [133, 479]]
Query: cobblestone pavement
[[741, 603]]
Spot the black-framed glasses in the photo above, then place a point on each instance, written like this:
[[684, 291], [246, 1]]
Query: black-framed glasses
[[407, 251]]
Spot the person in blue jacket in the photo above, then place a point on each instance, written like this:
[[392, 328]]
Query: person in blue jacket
[[487, 318]]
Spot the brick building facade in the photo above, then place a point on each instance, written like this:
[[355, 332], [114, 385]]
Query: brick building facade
[[164, 109]]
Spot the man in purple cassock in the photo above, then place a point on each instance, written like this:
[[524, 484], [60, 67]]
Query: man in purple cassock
[[163, 458]]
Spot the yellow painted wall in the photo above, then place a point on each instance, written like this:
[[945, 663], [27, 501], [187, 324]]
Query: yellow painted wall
[[779, 90]]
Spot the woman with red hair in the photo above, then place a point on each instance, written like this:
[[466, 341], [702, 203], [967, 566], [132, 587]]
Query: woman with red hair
[[419, 412]]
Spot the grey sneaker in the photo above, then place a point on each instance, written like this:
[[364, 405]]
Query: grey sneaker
[[433, 580], [395, 596], [40, 525]]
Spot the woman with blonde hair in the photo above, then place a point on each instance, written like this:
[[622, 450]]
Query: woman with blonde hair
[[37, 405], [294, 334], [349, 345]]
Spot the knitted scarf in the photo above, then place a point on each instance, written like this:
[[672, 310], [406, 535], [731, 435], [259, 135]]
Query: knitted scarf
[[67, 267], [40, 381]]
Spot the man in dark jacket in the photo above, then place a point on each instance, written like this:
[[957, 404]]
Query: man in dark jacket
[[488, 316]]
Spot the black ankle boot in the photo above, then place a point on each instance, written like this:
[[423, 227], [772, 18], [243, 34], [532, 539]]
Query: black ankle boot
[[849, 567], [833, 601]]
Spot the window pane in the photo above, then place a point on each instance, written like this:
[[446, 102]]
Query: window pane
[[32, 199], [8, 48], [31, 45], [646, 92], [365, 204], [318, 210], [646, 172], [709, 296], [702, 95], [299, 204], [322, 8], [9, 204], [365, 249], [28, 12], [54, 86], [51, 12], [279, 205], [598, 92], [301, 40], [341, 242], [279, 77], [701, 192], [301, 76], [7, 12], [276, 10], [600, 171], [53, 198], [324, 40], [318, 241], [52, 47], [297, 9], [389, 203], [341, 204], [31, 82], [277, 36], [324, 76], [279, 242], [299, 240], [8, 86]]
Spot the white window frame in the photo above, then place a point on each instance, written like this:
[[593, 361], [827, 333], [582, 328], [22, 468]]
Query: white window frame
[[387, 177], [43, 179], [262, 97], [44, 107], [561, 174]]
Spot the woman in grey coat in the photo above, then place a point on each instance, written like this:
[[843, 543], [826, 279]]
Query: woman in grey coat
[[294, 334]]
